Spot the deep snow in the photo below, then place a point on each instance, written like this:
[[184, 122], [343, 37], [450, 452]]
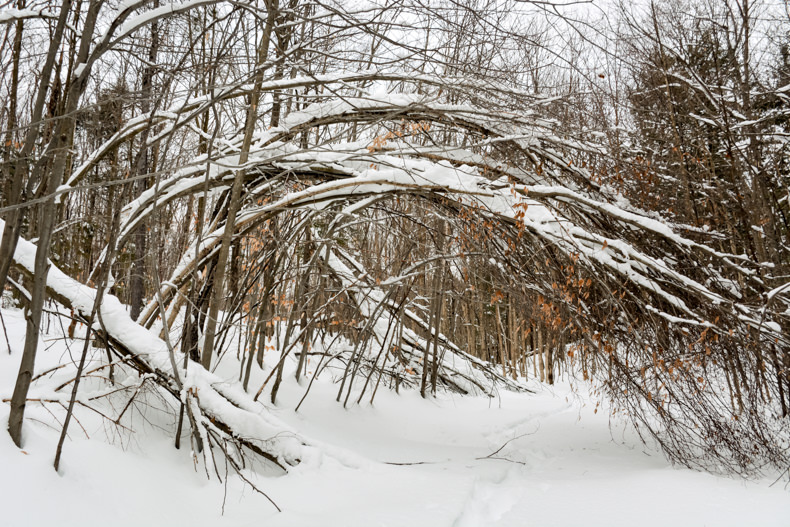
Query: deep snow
[[562, 463]]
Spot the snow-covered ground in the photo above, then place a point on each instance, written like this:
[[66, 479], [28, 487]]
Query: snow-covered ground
[[546, 458]]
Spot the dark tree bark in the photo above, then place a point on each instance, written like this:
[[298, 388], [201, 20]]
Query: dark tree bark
[[21, 163], [47, 218], [235, 197], [141, 168]]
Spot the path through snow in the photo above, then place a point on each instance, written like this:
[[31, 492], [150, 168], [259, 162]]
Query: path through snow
[[415, 462]]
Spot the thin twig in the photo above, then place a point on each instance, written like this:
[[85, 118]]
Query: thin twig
[[5, 332], [498, 450]]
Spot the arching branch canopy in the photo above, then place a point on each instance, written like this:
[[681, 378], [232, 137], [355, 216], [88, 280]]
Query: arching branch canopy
[[644, 308]]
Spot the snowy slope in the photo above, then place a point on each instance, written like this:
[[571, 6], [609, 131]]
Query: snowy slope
[[403, 461]]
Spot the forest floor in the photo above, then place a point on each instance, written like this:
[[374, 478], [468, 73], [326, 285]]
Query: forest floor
[[553, 457]]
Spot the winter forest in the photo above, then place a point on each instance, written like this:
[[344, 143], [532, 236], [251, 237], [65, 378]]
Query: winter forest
[[396, 262]]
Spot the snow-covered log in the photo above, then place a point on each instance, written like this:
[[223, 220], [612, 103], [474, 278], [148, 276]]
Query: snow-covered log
[[220, 411]]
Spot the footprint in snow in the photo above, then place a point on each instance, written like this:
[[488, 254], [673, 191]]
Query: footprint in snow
[[489, 500]]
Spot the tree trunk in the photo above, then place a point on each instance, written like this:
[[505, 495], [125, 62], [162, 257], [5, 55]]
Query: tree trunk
[[45, 235], [235, 197], [13, 225], [142, 167]]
